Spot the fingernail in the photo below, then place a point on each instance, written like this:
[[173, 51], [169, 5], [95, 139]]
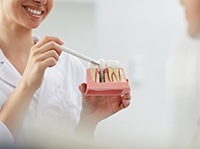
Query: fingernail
[[62, 41], [127, 102]]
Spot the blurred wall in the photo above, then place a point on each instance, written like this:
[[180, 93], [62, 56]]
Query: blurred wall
[[139, 34]]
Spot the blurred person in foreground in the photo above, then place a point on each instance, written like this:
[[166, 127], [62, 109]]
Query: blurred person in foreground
[[183, 82]]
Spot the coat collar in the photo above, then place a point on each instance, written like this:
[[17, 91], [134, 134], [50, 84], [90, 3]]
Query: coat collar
[[8, 73], [2, 58]]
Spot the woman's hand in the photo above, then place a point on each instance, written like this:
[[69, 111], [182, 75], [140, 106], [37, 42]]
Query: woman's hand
[[98, 108], [43, 54]]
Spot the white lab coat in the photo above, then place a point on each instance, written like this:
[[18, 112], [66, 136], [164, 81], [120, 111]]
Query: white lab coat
[[182, 80], [56, 105]]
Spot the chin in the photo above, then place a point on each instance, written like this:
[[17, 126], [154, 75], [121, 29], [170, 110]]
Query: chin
[[32, 26], [194, 33]]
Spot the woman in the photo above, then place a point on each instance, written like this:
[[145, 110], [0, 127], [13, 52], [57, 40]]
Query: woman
[[183, 80], [39, 83], [192, 12]]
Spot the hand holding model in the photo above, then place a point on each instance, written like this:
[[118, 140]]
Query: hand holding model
[[96, 108]]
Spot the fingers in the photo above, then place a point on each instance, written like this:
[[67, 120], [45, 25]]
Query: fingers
[[125, 104], [51, 45], [47, 44], [127, 96], [49, 62], [49, 54], [48, 39], [83, 87], [47, 51], [126, 100]]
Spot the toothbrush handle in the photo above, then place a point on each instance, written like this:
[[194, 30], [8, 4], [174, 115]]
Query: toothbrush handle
[[79, 55]]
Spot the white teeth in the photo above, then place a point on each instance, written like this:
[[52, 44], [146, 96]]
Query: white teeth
[[102, 64], [109, 63], [109, 71], [35, 12], [117, 64], [113, 63]]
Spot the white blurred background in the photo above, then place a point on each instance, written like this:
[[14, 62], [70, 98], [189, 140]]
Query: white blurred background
[[138, 33]]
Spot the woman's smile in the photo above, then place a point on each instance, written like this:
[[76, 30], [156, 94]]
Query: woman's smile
[[34, 12]]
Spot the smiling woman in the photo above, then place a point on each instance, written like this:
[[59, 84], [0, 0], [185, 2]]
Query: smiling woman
[[27, 10], [41, 88]]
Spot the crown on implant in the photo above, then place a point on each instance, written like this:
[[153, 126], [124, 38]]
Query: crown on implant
[[107, 71]]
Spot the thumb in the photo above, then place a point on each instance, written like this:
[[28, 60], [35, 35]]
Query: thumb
[[83, 87]]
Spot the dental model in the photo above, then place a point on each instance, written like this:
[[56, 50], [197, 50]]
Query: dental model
[[107, 71], [107, 78]]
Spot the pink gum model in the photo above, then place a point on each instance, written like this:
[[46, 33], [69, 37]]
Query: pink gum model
[[105, 88]]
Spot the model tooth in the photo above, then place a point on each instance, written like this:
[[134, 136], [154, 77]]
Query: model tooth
[[109, 63], [94, 72], [122, 75], [102, 66], [102, 63], [97, 76], [112, 70], [117, 63], [112, 63], [106, 75], [113, 74]]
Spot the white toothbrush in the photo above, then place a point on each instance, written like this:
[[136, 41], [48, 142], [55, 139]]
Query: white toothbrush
[[79, 55]]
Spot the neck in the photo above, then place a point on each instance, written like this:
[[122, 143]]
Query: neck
[[16, 47], [15, 42], [14, 38]]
